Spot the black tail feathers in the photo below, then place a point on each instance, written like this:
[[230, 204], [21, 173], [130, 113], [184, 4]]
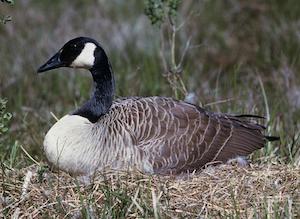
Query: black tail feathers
[[249, 116], [272, 138], [268, 138]]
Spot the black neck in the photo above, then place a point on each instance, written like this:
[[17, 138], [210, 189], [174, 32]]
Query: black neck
[[103, 91]]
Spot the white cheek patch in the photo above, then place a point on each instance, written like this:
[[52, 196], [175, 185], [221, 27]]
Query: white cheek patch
[[86, 58]]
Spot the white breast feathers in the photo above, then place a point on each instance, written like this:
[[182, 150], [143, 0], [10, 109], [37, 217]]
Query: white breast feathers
[[70, 145], [80, 147]]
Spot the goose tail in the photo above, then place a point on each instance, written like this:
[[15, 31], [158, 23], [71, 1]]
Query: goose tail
[[272, 138]]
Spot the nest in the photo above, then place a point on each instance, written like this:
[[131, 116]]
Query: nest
[[221, 191]]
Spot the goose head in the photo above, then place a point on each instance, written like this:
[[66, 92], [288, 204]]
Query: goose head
[[80, 52], [84, 52]]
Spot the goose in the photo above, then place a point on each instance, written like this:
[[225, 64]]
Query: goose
[[155, 135]]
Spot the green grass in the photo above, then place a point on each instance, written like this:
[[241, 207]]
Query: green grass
[[247, 53]]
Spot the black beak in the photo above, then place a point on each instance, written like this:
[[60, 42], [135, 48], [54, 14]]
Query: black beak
[[52, 63]]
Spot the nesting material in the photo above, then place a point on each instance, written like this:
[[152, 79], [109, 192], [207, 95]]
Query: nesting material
[[225, 190]]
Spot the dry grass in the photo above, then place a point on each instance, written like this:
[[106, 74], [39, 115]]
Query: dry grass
[[263, 191]]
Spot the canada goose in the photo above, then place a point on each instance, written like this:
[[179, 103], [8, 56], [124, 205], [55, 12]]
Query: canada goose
[[156, 135]]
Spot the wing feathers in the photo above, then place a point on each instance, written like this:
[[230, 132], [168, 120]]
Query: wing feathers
[[177, 137]]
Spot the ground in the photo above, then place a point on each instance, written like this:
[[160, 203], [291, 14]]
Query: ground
[[256, 191]]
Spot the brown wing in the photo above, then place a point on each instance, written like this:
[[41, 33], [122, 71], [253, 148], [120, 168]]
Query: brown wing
[[178, 137]]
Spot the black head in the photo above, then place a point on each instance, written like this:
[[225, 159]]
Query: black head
[[77, 53]]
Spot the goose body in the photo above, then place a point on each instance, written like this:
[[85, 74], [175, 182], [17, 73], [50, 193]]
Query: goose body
[[156, 135]]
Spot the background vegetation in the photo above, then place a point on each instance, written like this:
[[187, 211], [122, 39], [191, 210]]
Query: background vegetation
[[234, 56]]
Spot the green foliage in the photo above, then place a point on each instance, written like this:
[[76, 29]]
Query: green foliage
[[5, 117], [8, 1], [6, 18], [13, 154], [8, 148], [158, 10]]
